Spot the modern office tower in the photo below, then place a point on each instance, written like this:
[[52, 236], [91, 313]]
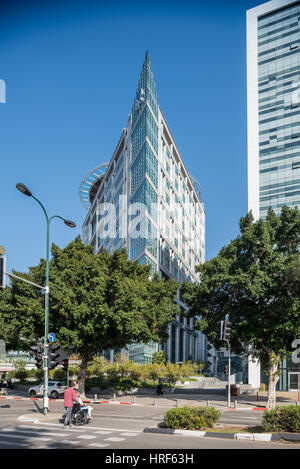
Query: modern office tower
[[144, 199], [273, 59], [273, 83]]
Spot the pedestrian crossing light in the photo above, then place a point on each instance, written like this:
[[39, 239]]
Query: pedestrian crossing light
[[54, 354], [227, 330], [65, 364], [38, 352]]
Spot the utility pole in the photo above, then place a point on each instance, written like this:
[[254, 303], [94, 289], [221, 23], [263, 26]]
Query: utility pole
[[225, 335], [24, 190]]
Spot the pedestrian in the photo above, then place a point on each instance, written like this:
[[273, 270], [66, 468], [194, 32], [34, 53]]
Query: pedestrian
[[69, 399], [160, 389], [83, 406]]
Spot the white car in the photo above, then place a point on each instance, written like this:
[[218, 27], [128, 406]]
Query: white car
[[55, 389]]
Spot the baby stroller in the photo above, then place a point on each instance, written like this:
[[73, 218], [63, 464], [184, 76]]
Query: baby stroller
[[79, 416]]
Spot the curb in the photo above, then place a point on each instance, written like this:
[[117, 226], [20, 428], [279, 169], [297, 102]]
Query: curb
[[230, 436], [57, 400]]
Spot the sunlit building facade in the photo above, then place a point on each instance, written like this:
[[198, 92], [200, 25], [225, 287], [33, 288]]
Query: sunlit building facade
[[273, 84]]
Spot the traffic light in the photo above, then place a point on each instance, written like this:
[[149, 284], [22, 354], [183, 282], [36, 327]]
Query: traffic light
[[38, 352], [2, 271], [53, 356], [227, 330], [65, 364]]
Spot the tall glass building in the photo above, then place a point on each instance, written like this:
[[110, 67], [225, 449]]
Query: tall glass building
[[273, 84], [144, 199], [273, 106]]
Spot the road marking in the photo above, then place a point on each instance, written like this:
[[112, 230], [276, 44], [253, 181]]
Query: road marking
[[69, 442], [32, 432], [132, 417], [61, 429], [87, 437], [22, 437], [114, 439], [12, 443], [98, 445], [102, 432], [129, 434]]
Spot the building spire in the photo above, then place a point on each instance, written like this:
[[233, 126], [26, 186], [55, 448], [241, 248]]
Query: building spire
[[146, 89]]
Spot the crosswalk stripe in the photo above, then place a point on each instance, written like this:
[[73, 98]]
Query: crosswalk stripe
[[22, 437], [69, 442], [129, 434], [98, 445], [32, 432], [87, 437], [114, 439], [102, 432], [12, 443], [61, 429]]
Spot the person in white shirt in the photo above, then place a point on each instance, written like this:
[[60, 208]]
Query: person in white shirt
[[84, 406]]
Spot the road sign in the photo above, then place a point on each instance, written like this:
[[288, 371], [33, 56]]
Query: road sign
[[51, 337]]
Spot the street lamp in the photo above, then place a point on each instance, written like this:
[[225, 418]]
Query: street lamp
[[22, 188]]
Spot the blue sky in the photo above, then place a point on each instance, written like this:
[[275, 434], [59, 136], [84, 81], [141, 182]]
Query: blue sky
[[71, 70]]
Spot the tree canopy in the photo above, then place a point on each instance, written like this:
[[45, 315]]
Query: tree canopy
[[97, 301], [256, 280]]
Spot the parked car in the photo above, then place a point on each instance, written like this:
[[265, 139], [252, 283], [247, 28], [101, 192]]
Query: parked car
[[6, 384], [55, 389]]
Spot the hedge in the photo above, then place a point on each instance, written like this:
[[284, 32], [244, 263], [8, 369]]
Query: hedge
[[191, 418], [282, 419]]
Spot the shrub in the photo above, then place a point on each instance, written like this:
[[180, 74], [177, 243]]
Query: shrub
[[282, 419], [20, 369], [191, 418]]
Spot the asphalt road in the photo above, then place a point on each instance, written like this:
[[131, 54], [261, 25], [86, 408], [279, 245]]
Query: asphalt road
[[113, 427]]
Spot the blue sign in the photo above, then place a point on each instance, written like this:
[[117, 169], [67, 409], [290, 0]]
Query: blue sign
[[51, 337]]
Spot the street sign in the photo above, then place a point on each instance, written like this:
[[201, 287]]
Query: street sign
[[51, 337]]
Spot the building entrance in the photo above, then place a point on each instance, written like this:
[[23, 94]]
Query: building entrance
[[294, 381]]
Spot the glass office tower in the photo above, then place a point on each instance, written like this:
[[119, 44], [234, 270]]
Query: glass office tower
[[144, 199], [273, 84], [274, 106]]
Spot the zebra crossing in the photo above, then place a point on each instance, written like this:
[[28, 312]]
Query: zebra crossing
[[53, 436]]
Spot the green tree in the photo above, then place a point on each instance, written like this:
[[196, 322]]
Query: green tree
[[20, 369], [256, 280], [159, 357], [97, 301]]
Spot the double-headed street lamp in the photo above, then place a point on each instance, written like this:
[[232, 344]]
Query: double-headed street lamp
[[22, 188]]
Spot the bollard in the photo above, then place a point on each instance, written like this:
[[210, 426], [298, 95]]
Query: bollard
[[155, 401], [208, 403], [134, 399], [114, 397], [177, 403], [235, 404], [257, 396], [95, 397]]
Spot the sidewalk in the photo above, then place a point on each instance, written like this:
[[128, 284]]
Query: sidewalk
[[245, 401]]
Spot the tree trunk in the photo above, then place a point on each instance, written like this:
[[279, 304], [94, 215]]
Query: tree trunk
[[82, 377], [274, 361]]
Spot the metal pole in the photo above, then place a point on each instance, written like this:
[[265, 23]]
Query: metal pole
[[46, 354], [229, 363], [71, 224]]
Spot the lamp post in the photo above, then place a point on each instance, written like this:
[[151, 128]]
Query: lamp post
[[22, 188]]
